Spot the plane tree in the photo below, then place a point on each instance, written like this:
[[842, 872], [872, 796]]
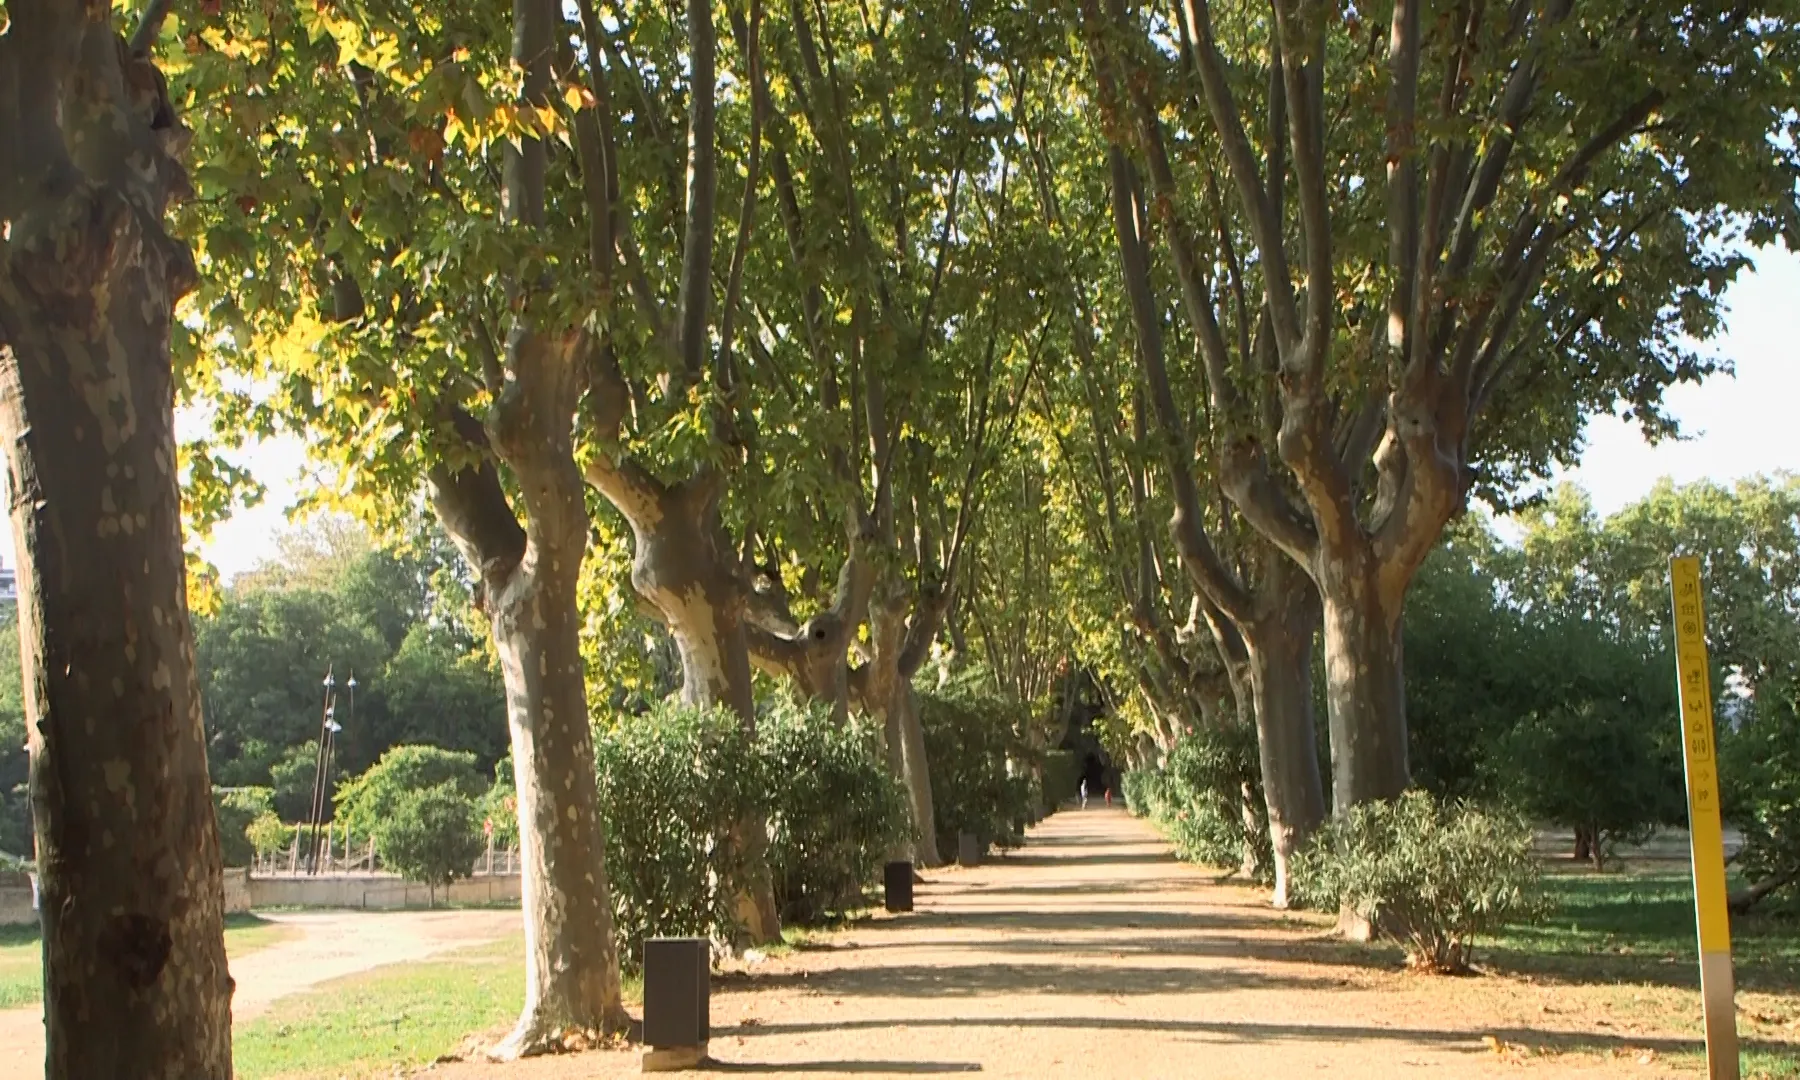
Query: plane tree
[[1434, 244], [897, 203], [381, 277], [1257, 605], [91, 156]]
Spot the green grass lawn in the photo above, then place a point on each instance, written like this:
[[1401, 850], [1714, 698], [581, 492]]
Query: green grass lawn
[[393, 1017], [22, 956], [1637, 931], [405, 1014], [1640, 929]]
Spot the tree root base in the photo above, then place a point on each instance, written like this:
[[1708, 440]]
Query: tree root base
[[535, 1037]]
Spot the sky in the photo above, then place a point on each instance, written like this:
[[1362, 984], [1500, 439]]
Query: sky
[[1734, 426]]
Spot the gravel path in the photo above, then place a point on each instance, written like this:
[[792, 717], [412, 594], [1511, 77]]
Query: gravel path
[[326, 945], [1092, 952]]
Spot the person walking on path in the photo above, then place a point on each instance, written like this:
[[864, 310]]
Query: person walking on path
[[1084, 793]]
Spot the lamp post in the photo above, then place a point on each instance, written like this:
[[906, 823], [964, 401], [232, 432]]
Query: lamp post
[[326, 708]]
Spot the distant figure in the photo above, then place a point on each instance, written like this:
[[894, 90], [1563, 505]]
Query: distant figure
[[1084, 793], [1109, 796]]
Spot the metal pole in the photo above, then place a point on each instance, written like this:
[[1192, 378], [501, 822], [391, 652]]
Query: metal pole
[[312, 822], [1693, 677]]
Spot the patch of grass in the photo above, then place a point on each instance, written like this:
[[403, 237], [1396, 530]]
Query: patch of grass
[[1763, 1064], [1640, 929], [22, 956], [1637, 931], [403, 1014], [376, 1022], [21, 966]]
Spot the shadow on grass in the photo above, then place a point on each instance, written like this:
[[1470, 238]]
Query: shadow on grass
[[30, 933], [1614, 928]]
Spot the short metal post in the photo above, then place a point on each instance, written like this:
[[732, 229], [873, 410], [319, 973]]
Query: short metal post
[[677, 1003], [897, 880]]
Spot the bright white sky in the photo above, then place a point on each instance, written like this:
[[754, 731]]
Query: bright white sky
[[1735, 427]]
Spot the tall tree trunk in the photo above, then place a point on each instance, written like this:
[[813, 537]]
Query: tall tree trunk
[[1280, 648], [1365, 688], [571, 959], [682, 567], [1584, 843], [135, 979], [529, 578], [888, 695], [918, 772]]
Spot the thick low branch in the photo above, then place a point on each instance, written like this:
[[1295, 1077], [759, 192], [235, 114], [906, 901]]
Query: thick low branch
[[472, 504]]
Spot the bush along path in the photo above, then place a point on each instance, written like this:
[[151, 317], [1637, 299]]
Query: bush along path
[[1093, 947]]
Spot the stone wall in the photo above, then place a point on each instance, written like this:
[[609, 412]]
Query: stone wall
[[381, 892], [16, 906], [237, 890]]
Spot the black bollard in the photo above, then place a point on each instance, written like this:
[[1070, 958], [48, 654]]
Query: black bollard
[[677, 1003], [898, 882]]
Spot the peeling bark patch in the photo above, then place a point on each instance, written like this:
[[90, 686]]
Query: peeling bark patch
[[139, 948]]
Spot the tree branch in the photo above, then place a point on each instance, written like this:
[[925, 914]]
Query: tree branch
[[703, 156]]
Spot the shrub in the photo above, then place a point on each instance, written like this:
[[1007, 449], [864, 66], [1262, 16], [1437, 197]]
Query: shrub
[[1760, 769], [430, 836], [501, 804], [1433, 875], [1208, 800], [1062, 777], [269, 835], [980, 766], [1144, 791], [1593, 766], [835, 810], [673, 783], [363, 803], [236, 809]]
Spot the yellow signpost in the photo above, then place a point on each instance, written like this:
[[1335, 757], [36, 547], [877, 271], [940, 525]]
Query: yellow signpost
[[1708, 842]]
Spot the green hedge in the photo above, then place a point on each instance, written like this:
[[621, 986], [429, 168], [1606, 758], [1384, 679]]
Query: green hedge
[[1435, 875], [1062, 778], [1198, 798], [675, 780], [835, 810], [982, 779], [237, 809]]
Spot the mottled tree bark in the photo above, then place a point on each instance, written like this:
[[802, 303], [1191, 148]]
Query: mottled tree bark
[[135, 979], [683, 567], [888, 695], [528, 581], [1365, 686], [1280, 646], [1267, 617]]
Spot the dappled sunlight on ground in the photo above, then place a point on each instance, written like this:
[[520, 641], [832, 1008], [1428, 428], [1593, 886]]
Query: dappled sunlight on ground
[[1092, 951]]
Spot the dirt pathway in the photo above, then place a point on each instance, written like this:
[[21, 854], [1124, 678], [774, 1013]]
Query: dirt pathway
[[325, 945], [1093, 952]]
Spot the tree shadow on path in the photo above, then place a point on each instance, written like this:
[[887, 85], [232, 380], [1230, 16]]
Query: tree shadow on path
[[842, 1068], [1247, 1031], [991, 979]]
